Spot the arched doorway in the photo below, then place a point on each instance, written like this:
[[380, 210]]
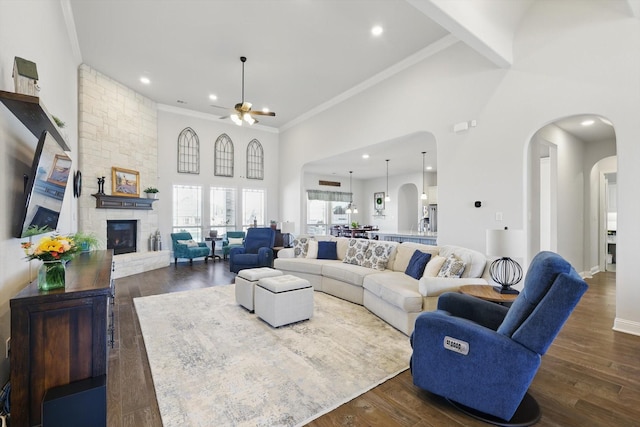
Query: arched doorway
[[565, 195], [408, 208]]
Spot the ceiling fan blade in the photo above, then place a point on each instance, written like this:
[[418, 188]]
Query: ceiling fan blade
[[220, 106], [223, 117], [262, 113]]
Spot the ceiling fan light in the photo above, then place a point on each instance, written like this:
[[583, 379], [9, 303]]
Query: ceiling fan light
[[236, 119], [247, 118]]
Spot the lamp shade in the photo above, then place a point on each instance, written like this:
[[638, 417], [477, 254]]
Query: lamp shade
[[288, 227], [505, 243]]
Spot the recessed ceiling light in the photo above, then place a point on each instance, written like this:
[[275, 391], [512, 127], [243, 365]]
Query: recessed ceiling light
[[376, 30], [213, 97], [145, 80], [365, 156], [587, 122], [429, 168]]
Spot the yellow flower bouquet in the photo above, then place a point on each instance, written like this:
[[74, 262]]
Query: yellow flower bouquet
[[54, 251]]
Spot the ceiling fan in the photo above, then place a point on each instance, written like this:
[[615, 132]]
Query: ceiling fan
[[242, 110]]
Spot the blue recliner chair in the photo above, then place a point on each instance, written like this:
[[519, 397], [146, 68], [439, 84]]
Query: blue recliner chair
[[185, 247], [256, 252], [482, 356]]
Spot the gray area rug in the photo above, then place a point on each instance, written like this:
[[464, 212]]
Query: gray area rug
[[214, 364]]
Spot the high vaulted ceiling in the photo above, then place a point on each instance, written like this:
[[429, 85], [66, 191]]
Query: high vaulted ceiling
[[302, 55]]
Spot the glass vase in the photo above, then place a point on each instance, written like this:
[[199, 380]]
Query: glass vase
[[51, 275]]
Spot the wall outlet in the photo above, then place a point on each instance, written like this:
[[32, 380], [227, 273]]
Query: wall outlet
[[7, 348]]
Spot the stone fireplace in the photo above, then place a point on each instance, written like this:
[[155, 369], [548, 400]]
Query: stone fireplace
[[118, 127]]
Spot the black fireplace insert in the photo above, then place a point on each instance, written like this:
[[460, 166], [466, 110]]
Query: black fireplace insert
[[122, 235]]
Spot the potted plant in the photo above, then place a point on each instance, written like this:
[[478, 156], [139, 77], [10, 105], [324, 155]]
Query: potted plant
[[151, 192], [86, 241]]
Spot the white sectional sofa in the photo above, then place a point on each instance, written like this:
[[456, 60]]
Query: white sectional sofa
[[389, 293]]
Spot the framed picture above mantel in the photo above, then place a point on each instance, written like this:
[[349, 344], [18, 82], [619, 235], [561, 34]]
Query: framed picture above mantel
[[125, 182]]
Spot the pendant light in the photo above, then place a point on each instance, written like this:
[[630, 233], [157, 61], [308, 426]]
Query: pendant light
[[352, 208], [387, 198], [424, 195]]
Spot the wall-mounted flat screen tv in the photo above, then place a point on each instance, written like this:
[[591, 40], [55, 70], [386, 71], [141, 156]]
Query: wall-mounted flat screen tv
[[45, 187]]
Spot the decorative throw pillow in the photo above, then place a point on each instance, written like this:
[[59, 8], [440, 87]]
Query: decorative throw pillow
[[417, 263], [433, 266], [235, 240], [355, 251], [327, 250], [377, 255], [312, 249], [300, 246], [452, 267], [190, 243]]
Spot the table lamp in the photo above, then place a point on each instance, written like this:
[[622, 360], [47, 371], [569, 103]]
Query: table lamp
[[287, 229], [505, 271]]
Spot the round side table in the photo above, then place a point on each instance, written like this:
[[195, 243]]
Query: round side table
[[486, 292]]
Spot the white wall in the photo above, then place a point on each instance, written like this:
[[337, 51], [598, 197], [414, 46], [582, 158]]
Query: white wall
[[171, 121], [50, 49], [570, 57]]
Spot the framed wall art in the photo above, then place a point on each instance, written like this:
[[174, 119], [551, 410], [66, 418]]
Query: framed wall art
[[378, 201], [125, 182]]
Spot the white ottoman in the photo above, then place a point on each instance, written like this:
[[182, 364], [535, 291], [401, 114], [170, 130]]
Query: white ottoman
[[246, 281], [284, 299]]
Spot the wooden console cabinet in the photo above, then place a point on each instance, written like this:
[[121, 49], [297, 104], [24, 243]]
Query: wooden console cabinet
[[59, 336]]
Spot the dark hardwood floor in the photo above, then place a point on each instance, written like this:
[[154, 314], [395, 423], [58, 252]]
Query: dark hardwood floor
[[589, 377]]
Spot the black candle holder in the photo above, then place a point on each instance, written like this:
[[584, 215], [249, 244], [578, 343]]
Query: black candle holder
[[101, 185]]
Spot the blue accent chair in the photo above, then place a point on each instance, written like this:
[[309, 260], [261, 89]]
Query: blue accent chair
[[257, 250], [503, 345], [181, 250], [226, 246]]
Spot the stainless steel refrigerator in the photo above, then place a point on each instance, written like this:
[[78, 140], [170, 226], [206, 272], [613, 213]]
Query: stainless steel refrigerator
[[433, 218]]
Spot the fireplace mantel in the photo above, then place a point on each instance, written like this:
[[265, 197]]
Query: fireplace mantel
[[105, 201]]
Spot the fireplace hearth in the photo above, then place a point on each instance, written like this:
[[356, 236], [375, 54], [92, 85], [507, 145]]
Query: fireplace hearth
[[122, 236]]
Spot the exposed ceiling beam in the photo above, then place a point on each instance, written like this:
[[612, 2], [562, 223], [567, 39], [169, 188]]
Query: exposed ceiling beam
[[470, 22]]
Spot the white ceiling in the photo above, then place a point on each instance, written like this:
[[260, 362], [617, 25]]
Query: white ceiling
[[302, 55]]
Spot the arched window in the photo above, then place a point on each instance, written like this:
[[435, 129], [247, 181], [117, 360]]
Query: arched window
[[255, 160], [223, 161], [188, 151]]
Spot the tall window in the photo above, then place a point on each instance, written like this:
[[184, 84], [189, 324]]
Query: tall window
[[222, 209], [187, 210], [253, 207], [326, 209], [223, 156], [188, 151], [255, 160]]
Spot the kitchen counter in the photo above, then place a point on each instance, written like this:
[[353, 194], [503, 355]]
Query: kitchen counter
[[426, 238]]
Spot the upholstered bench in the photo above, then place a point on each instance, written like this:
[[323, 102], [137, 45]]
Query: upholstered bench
[[246, 280], [283, 299]]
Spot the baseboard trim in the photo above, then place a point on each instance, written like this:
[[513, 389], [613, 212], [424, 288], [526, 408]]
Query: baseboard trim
[[626, 326]]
